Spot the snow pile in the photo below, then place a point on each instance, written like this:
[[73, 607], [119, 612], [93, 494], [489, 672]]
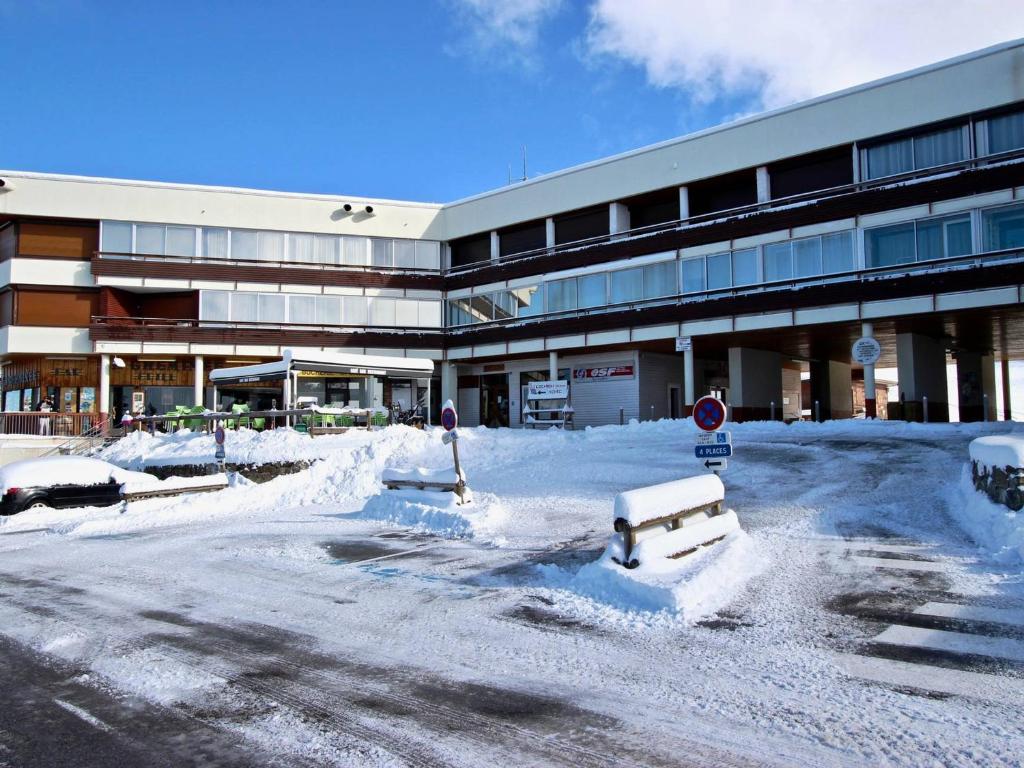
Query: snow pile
[[998, 451], [993, 527], [688, 588], [65, 470], [437, 512]]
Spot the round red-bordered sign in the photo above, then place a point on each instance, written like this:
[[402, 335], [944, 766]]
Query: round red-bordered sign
[[709, 413], [449, 419]]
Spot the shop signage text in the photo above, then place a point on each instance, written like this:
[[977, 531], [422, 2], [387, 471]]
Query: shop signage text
[[545, 390], [603, 374]]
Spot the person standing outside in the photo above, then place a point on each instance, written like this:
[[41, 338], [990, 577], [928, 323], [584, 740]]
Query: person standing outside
[[45, 407]]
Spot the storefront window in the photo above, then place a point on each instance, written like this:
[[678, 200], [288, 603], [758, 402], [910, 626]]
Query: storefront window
[[12, 400]]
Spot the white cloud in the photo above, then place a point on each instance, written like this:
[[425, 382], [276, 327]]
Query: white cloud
[[510, 28], [776, 52]]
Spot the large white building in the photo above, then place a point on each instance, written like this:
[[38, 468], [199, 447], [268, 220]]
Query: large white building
[[765, 247]]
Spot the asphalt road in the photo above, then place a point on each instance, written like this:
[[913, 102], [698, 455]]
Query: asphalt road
[[50, 717]]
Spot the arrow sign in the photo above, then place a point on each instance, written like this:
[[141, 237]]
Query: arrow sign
[[716, 464], [712, 451]]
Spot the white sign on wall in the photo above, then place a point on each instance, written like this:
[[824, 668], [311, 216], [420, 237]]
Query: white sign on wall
[[548, 390], [866, 351], [684, 343]]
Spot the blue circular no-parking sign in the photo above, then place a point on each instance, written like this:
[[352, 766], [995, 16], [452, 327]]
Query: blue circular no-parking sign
[[709, 413], [449, 418]]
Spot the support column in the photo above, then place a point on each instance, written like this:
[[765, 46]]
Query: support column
[[618, 218], [976, 386], [104, 390], [688, 381], [867, 330], [552, 366], [287, 394], [832, 388], [200, 380], [449, 383], [764, 187], [684, 202], [549, 232], [921, 367], [755, 381], [1004, 369], [495, 246]]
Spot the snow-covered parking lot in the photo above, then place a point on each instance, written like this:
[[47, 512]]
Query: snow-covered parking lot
[[309, 621]]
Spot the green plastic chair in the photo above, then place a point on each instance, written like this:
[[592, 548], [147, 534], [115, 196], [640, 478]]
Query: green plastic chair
[[346, 421], [241, 408], [195, 424], [379, 419], [300, 426]]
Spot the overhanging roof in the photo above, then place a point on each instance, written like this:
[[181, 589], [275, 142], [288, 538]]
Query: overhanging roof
[[325, 362]]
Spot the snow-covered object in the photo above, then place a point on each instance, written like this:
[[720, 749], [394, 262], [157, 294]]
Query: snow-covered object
[[438, 512], [993, 527], [655, 501], [65, 470], [687, 538], [447, 476], [148, 483], [999, 451]]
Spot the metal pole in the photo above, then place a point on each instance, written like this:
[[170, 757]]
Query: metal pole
[[924, 407], [428, 402], [817, 410], [622, 416], [772, 417], [870, 406], [984, 402], [460, 486], [652, 412], [1005, 371]]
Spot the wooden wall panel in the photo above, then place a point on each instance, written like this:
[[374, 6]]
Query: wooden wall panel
[[57, 241], [178, 306], [63, 309], [7, 308]]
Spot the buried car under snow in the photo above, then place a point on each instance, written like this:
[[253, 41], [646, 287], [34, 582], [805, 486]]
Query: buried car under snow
[[63, 481]]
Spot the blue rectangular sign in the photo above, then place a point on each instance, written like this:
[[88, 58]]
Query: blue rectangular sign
[[712, 451]]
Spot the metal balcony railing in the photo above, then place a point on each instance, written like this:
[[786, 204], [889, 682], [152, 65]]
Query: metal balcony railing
[[111, 256], [715, 217], [127, 324]]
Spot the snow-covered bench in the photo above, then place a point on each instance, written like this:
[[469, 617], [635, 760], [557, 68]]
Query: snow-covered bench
[[672, 519], [172, 486], [997, 468], [425, 480]]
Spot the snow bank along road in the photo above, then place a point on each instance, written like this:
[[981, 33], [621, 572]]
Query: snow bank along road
[[277, 625]]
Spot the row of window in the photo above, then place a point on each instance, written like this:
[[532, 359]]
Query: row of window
[[949, 145], [940, 237], [252, 245], [375, 311]]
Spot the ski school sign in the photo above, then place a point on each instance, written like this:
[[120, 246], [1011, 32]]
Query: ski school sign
[[603, 374]]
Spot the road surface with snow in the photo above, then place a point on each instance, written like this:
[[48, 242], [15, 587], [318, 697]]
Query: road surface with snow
[[307, 621]]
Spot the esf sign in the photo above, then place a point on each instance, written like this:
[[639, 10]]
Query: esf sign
[[712, 451], [714, 438]]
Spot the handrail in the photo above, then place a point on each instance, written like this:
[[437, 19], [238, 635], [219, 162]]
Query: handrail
[[171, 322], [71, 445], [361, 268], [1008, 255], [1009, 157]]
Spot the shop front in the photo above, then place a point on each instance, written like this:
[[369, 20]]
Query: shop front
[[329, 380]]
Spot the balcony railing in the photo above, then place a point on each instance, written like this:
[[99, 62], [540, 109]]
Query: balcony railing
[[110, 256], [976, 261], [47, 424], [716, 217]]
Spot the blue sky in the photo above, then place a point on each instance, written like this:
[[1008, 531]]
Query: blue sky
[[423, 100]]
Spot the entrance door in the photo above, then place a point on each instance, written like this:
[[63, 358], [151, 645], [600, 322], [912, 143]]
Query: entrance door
[[494, 400], [674, 411]]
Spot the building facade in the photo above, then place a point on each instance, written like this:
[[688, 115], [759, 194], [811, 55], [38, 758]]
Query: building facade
[[743, 261]]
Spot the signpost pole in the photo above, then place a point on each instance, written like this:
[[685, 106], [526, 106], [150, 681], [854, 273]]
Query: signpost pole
[[450, 420], [870, 408]]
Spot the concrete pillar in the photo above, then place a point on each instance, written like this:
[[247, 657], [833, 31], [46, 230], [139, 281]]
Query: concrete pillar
[[104, 388], [618, 218], [764, 187], [684, 202], [200, 380], [688, 380], [1004, 369], [921, 368], [549, 232], [867, 330], [287, 394], [495, 246], [552, 366], [976, 386], [755, 381], [449, 383], [832, 388]]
